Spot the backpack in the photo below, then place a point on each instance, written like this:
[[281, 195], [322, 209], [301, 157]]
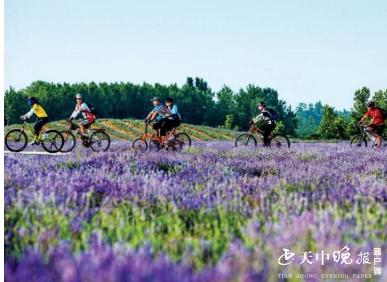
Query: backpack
[[273, 114], [92, 109], [384, 113]]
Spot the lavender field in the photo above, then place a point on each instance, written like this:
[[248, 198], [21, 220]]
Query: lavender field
[[214, 213]]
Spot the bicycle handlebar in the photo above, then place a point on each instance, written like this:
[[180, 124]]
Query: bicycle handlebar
[[147, 123]]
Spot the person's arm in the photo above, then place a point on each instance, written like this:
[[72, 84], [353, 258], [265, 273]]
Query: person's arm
[[84, 108], [149, 115], [153, 115], [255, 119], [28, 115], [74, 114], [366, 115], [174, 110]]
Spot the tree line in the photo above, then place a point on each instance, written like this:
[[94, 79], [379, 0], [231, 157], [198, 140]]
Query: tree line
[[318, 121], [197, 102]]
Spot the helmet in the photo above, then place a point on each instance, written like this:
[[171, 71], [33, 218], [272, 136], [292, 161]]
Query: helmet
[[78, 96], [371, 104], [31, 101]]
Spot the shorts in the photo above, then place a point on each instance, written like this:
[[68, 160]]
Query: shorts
[[173, 122], [164, 125], [378, 129], [267, 129], [86, 122], [39, 124]]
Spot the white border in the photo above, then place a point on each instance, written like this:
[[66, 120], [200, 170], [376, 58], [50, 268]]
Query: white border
[[2, 140]]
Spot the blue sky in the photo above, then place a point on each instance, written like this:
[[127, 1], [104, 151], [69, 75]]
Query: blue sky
[[307, 50]]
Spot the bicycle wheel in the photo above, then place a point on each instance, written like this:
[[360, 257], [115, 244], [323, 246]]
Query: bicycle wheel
[[384, 142], [99, 141], [69, 141], [181, 140], [16, 140], [52, 141], [280, 140], [358, 141], [246, 139], [139, 145], [154, 145]]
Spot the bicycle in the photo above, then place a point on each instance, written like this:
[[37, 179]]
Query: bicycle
[[16, 140], [152, 142], [249, 139], [364, 137], [96, 138]]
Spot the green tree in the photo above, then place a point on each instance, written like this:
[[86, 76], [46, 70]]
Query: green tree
[[332, 126], [308, 118], [360, 99], [229, 122], [225, 104], [197, 103], [15, 105], [380, 99]]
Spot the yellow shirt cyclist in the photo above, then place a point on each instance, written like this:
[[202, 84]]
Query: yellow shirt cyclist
[[40, 113]]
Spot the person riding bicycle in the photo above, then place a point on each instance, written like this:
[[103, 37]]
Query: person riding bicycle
[[175, 117], [40, 113], [265, 122], [377, 123], [159, 114], [82, 108]]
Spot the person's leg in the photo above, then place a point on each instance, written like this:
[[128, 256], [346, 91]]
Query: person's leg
[[271, 129], [379, 133], [265, 132], [163, 130], [38, 127], [82, 128], [177, 123], [373, 129], [370, 128], [170, 123], [157, 127]]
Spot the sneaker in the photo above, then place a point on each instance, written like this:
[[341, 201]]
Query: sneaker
[[86, 143], [34, 143]]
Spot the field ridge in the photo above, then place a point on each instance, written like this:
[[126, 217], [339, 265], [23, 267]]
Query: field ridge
[[129, 129]]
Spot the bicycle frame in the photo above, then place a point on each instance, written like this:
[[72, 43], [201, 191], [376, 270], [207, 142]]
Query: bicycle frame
[[366, 134], [25, 124], [149, 136], [89, 130], [256, 131], [258, 135], [153, 137]]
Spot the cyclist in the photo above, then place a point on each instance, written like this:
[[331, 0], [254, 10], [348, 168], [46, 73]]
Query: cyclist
[[376, 125], [88, 117], [159, 113], [175, 117], [40, 113], [265, 122]]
